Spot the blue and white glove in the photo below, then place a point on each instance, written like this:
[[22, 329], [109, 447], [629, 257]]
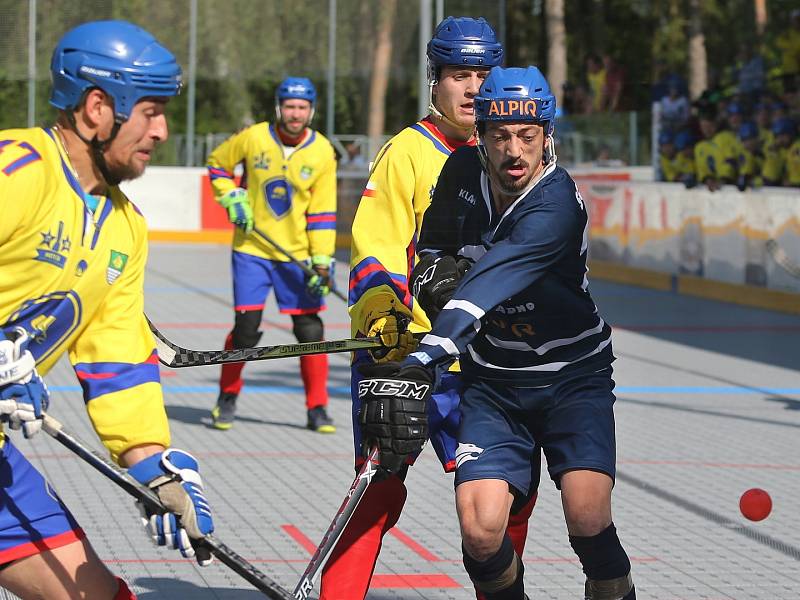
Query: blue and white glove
[[240, 213], [174, 476], [319, 284], [23, 394]]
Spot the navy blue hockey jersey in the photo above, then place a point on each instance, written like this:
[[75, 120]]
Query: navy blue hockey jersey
[[523, 312]]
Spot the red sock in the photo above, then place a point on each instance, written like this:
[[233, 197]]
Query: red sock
[[314, 371], [349, 570], [230, 379], [517, 530], [123, 591]]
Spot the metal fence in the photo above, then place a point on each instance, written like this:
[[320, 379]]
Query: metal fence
[[234, 54]]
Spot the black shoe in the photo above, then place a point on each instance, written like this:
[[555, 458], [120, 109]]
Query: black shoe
[[319, 421], [222, 414]]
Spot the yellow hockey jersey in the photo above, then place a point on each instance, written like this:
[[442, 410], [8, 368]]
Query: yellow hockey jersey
[[729, 147], [678, 168], [292, 191], [388, 221], [74, 279]]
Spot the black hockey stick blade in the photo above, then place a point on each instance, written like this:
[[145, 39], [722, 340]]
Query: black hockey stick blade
[[172, 355], [779, 255], [303, 266], [148, 497], [303, 588]]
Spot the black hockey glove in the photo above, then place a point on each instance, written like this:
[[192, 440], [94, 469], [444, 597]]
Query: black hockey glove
[[394, 415], [434, 280]]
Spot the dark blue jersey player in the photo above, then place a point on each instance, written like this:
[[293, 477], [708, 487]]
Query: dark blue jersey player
[[503, 249]]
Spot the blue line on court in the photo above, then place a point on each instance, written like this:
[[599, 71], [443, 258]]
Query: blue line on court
[[622, 389]]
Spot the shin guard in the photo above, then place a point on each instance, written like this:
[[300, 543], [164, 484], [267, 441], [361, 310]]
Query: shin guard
[[123, 591], [230, 379], [500, 577], [606, 565], [314, 371], [517, 530], [347, 574]]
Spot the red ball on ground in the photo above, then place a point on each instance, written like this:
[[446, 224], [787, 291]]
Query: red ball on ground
[[755, 504]]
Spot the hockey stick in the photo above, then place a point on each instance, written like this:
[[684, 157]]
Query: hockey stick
[[303, 588], [306, 269], [779, 255], [149, 498], [174, 356]]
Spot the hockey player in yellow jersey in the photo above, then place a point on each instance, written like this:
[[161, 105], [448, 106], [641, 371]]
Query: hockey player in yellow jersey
[[751, 158], [387, 223], [782, 157], [290, 173], [716, 155], [72, 256]]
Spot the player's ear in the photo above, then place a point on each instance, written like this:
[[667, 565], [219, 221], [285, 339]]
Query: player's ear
[[95, 106]]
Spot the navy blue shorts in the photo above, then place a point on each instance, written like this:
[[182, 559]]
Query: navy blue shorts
[[501, 426], [254, 277], [32, 517]]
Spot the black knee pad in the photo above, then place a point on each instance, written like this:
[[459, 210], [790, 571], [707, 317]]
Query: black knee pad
[[307, 328], [602, 556], [245, 328], [498, 576]]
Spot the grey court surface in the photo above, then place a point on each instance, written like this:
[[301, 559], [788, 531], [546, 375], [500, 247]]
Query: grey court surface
[[708, 406]]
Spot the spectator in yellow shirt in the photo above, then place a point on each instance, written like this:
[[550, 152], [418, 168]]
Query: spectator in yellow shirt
[[775, 157], [751, 158]]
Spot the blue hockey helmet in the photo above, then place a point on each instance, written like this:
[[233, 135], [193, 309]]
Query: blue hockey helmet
[[747, 131], [120, 58], [783, 126], [734, 108], [463, 41], [665, 137], [296, 88], [683, 140], [516, 94]]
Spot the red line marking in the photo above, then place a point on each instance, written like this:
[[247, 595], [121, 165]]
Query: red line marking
[[299, 537], [416, 547], [414, 582], [304, 561], [264, 324]]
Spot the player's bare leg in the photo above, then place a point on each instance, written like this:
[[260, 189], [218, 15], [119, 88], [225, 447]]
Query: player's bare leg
[[490, 560], [586, 497], [65, 573]]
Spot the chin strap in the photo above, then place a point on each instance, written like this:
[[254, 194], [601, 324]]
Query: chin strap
[[435, 112], [97, 148]]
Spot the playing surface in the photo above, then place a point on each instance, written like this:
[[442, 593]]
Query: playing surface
[[708, 407]]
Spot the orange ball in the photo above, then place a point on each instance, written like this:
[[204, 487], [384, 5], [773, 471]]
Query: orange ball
[[755, 504]]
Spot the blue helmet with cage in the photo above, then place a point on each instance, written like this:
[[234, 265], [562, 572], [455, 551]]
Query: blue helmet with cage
[[747, 131], [665, 137], [463, 41], [683, 140], [296, 88], [123, 60], [516, 94]]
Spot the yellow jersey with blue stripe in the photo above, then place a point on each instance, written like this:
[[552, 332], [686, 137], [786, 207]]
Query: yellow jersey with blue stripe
[[388, 221], [292, 190], [74, 279]]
